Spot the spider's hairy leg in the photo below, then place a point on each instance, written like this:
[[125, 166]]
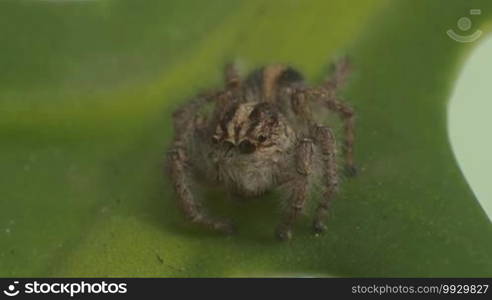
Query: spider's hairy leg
[[297, 189], [180, 177], [231, 76], [179, 168], [341, 71], [184, 115], [325, 141], [347, 115]]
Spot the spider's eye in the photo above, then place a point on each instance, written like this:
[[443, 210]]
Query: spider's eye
[[262, 138], [246, 147], [214, 140]]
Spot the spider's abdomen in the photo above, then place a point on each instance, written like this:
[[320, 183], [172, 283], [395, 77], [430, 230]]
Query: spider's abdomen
[[264, 83]]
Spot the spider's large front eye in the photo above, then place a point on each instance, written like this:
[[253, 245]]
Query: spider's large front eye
[[246, 147], [262, 138]]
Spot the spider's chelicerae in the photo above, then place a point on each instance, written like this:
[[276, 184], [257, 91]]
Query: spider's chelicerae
[[261, 134]]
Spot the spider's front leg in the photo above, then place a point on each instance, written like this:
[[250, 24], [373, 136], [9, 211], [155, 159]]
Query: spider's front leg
[[181, 181], [325, 142], [346, 114], [297, 188], [180, 170]]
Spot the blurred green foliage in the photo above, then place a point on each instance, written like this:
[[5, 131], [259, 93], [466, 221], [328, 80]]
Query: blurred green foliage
[[86, 91]]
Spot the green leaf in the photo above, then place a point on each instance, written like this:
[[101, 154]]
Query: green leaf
[[86, 93]]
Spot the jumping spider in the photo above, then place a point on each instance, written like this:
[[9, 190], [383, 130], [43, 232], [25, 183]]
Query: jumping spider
[[261, 134]]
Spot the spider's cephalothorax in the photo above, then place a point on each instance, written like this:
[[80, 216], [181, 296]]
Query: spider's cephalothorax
[[261, 134]]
